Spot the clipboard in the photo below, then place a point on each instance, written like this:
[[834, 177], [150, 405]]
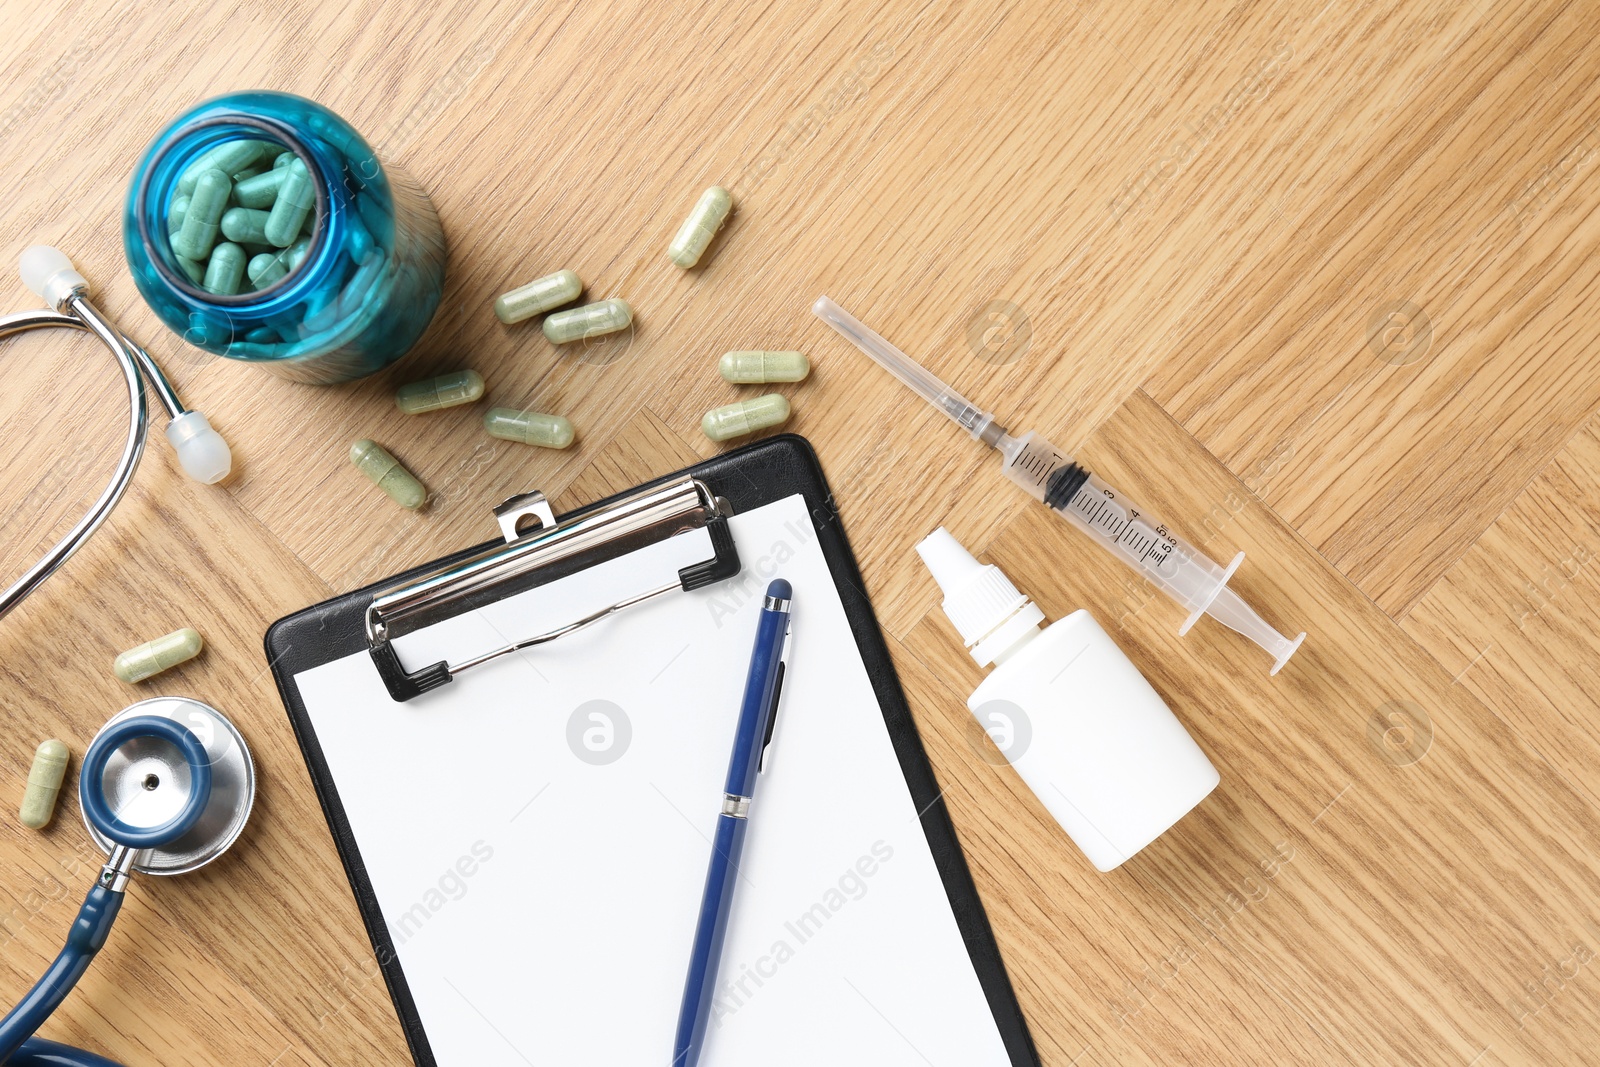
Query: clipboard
[[364, 632]]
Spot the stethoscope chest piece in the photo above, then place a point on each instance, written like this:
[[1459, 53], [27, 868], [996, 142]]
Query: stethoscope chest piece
[[141, 779]]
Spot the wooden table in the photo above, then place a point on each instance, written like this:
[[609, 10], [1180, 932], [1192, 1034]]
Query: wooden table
[[1315, 280]]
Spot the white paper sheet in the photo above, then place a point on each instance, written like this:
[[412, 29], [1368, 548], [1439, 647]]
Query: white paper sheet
[[537, 832]]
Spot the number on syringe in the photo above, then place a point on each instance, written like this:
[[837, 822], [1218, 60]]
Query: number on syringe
[[1038, 464], [1122, 529]]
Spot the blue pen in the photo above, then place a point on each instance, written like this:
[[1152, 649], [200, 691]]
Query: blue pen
[[756, 717]]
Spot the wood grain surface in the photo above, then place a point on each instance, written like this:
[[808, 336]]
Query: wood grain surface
[[1314, 281]]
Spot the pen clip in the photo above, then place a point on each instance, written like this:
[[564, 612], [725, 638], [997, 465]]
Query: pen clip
[[777, 694]]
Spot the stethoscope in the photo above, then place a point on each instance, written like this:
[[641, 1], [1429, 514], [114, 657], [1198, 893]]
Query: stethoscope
[[167, 785]]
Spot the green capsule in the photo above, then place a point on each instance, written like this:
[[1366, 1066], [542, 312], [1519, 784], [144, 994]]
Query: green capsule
[[175, 213], [445, 391], [362, 283], [747, 416], [243, 225], [701, 225], [385, 472], [296, 253], [229, 157], [193, 269], [44, 784], [263, 335], [225, 270], [322, 309], [752, 368], [203, 217], [528, 427], [266, 269], [260, 191], [539, 296], [296, 197], [285, 158], [590, 320], [153, 657]]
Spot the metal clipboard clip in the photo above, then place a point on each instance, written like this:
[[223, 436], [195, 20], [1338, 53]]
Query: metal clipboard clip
[[552, 550]]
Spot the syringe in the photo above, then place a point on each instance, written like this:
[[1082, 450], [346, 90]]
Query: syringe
[[1130, 532]]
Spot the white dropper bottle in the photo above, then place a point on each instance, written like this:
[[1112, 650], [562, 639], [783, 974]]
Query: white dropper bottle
[[1085, 730]]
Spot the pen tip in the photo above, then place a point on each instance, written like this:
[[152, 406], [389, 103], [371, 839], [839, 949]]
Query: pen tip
[[779, 589]]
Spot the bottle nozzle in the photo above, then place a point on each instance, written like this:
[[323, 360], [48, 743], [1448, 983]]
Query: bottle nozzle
[[982, 604]]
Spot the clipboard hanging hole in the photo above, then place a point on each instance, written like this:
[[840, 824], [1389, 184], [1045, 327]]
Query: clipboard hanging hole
[[523, 514]]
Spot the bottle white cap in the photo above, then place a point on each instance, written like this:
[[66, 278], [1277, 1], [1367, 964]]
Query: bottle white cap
[[986, 609]]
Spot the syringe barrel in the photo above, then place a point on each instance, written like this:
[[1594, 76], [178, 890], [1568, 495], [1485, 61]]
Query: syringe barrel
[[1120, 526]]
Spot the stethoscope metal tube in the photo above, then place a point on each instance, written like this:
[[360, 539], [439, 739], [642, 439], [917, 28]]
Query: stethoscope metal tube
[[132, 449], [200, 450]]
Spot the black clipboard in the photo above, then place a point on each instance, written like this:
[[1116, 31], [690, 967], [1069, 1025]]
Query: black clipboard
[[747, 478]]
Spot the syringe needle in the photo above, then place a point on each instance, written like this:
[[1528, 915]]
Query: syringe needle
[[979, 423]]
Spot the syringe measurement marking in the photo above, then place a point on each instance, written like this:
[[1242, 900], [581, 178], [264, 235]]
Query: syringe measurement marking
[[1137, 539], [1134, 536], [1037, 465]]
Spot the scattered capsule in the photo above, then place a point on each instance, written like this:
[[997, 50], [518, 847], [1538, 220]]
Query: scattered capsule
[[193, 269], [260, 191], [751, 368], [746, 416], [285, 158], [225, 270], [203, 217], [44, 784], [175, 213], [528, 427], [701, 225], [537, 297], [445, 391], [229, 157], [153, 657], [590, 320], [267, 268], [296, 197], [263, 335], [244, 225], [385, 472]]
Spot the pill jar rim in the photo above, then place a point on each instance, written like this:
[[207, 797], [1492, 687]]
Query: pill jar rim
[[277, 129]]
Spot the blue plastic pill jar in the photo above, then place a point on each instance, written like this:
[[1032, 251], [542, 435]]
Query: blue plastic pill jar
[[370, 279]]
